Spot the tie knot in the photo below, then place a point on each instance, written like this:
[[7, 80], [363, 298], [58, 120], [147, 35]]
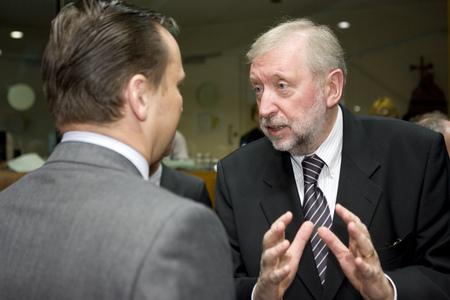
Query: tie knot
[[312, 165]]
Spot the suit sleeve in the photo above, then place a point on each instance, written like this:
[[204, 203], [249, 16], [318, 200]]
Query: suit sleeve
[[429, 276], [190, 259], [203, 195], [223, 206]]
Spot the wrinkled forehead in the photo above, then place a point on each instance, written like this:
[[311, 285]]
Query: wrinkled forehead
[[288, 55]]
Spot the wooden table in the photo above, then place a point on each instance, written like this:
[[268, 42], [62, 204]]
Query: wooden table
[[7, 178]]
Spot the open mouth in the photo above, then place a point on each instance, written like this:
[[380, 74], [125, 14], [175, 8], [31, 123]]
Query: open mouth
[[277, 130], [277, 127]]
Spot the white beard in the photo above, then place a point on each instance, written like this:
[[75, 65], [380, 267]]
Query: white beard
[[305, 130]]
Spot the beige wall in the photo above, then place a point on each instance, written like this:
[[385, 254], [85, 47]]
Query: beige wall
[[214, 129], [378, 66]]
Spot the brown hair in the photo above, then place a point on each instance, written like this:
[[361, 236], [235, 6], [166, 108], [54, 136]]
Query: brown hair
[[95, 47]]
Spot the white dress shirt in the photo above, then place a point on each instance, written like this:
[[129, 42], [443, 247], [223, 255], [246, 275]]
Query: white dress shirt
[[331, 153]]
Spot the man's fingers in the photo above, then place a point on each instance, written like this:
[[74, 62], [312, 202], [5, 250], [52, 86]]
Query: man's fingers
[[345, 214], [270, 257], [350, 218], [360, 242], [276, 232], [274, 244], [301, 238], [365, 248], [332, 241], [278, 275], [343, 255]]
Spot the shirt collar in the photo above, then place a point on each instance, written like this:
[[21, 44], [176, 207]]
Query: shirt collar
[[331, 149], [101, 140]]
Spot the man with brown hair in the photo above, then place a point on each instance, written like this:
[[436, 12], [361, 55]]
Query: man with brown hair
[[88, 225]]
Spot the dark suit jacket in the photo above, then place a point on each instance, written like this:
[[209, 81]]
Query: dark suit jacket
[[394, 176], [251, 136], [87, 226], [185, 185]]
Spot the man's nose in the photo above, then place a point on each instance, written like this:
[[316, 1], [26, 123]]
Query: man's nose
[[267, 104]]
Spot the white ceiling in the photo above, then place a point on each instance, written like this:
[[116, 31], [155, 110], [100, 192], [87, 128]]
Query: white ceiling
[[385, 37]]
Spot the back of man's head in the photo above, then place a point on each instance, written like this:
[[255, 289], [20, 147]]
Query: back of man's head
[[95, 47], [435, 121]]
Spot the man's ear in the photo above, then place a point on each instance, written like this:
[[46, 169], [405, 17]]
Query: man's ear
[[333, 87], [137, 96]]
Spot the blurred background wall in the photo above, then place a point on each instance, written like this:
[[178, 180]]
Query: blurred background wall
[[386, 41]]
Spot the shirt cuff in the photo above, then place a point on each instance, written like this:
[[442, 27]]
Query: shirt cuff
[[389, 278], [255, 288], [393, 286]]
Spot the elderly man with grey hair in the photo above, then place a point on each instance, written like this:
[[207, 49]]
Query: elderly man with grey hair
[[346, 206], [436, 121]]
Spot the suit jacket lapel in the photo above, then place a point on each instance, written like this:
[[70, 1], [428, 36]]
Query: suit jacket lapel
[[356, 191], [283, 197]]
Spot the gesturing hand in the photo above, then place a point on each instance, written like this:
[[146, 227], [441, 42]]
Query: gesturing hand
[[279, 260], [360, 261]]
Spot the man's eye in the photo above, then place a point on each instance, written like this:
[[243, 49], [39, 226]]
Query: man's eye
[[282, 85], [257, 89]]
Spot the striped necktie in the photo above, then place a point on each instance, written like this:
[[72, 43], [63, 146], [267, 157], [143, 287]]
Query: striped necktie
[[315, 209]]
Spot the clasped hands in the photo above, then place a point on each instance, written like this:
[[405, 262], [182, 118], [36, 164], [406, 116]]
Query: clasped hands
[[359, 262]]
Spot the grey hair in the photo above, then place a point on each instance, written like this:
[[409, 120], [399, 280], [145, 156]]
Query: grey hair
[[433, 120], [324, 51]]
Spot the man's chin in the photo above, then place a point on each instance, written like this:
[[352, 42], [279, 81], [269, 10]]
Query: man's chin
[[296, 149], [280, 144]]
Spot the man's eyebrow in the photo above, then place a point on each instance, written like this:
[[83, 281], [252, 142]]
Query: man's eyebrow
[[253, 79], [276, 75]]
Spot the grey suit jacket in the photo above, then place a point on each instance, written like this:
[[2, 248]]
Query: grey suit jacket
[[185, 185], [394, 177], [87, 226]]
